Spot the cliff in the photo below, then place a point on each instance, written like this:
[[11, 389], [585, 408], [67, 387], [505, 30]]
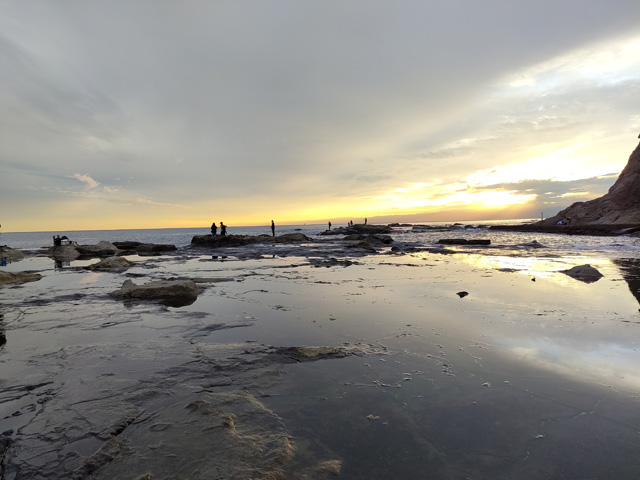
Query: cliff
[[619, 206]]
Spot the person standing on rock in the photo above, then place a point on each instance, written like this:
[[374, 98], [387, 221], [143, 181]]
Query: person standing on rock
[[273, 229], [329, 224], [223, 229], [214, 229]]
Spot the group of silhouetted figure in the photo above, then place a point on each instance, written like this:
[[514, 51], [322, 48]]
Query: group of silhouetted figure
[[349, 223], [223, 229], [60, 240], [214, 229]]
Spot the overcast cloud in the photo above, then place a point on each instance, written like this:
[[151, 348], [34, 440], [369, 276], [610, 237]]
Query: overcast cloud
[[156, 113]]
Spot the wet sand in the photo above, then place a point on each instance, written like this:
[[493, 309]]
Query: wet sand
[[531, 375]]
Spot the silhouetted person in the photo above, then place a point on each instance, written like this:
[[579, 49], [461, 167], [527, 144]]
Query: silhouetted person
[[273, 229], [223, 229], [329, 224], [214, 229], [365, 221]]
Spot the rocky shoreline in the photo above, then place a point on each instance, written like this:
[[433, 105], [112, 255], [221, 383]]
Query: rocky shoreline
[[233, 361], [611, 230]]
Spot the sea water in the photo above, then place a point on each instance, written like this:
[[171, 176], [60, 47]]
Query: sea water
[[502, 242]]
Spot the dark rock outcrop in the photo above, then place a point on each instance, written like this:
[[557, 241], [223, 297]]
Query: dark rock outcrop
[[144, 248], [615, 213], [175, 293], [240, 240], [619, 206], [359, 229], [72, 251], [585, 273]]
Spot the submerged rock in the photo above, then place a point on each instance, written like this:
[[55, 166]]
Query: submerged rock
[[175, 293], [533, 244], [464, 241], [331, 262], [363, 246], [18, 277], [585, 273]]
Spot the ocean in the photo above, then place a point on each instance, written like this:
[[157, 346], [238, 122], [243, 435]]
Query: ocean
[[504, 242]]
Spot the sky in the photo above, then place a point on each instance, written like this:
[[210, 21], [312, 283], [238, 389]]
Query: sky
[[159, 114]]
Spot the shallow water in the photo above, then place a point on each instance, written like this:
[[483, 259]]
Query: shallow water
[[531, 375]]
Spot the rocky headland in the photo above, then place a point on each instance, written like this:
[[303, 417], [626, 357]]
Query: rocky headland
[[615, 213]]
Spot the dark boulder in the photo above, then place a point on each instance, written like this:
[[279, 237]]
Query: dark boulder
[[585, 273]]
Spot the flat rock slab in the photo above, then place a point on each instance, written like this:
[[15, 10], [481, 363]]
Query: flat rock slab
[[175, 293], [72, 251], [111, 263], [11, 254], [18, 277], [143, 248], [102, 249]]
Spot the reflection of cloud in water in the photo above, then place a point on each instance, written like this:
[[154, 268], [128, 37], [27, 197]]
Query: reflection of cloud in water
[[539, 266], [90, 278], [607, 362]]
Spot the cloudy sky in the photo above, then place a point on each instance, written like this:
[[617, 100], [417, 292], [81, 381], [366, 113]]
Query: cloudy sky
[[134, 114]]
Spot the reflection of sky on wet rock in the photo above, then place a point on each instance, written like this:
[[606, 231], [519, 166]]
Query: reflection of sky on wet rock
[[475, 376]]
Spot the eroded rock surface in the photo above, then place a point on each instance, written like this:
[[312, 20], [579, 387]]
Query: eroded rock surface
[[239, 240], [11, 254], [18, 277], [171, 292], [196, 420], [359, 229], [111, 263]]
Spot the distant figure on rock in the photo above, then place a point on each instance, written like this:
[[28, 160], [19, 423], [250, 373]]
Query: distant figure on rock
[[273, 229], [214, 229], [365, 221], [58, 240], [223, 229], [329, 224]]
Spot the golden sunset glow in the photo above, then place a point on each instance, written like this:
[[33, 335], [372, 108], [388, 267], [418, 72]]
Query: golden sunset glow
[[238, 134]]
